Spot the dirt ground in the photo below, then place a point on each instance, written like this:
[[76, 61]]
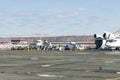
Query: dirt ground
[[59, 65]]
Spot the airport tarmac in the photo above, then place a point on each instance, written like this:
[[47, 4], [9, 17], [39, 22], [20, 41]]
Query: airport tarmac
[[59, 65]]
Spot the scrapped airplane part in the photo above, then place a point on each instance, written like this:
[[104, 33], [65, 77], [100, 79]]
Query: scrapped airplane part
[[74, 46], [71, 45], [39, 43], [107, 41], [100, 42], [19, 44], [113, 43], [47, 45], [108, 35]]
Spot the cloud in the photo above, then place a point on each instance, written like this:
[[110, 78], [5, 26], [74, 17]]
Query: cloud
[[2, 13], [65, 14], [82, 9], [25, 14]]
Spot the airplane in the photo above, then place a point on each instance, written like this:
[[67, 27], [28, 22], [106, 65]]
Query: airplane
[[107, 41]]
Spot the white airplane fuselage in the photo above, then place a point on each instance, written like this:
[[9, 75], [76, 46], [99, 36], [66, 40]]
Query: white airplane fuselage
[[113, 43]]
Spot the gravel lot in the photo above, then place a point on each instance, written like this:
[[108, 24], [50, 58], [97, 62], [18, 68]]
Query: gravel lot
[[59, 65]]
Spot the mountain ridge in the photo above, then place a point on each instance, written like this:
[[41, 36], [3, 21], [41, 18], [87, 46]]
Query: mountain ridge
[[75, 38]]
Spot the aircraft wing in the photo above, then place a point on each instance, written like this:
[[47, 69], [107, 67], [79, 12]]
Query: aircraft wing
[[117, 32]]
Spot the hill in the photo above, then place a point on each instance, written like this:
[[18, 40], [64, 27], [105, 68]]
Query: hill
[[81, 38]]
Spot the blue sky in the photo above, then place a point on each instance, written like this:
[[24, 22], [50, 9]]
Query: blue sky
[[21, 18]]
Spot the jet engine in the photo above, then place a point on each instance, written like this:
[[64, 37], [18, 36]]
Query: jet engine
[[99, 41]]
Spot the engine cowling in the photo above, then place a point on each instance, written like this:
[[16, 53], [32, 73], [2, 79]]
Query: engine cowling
[[99, 41]]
